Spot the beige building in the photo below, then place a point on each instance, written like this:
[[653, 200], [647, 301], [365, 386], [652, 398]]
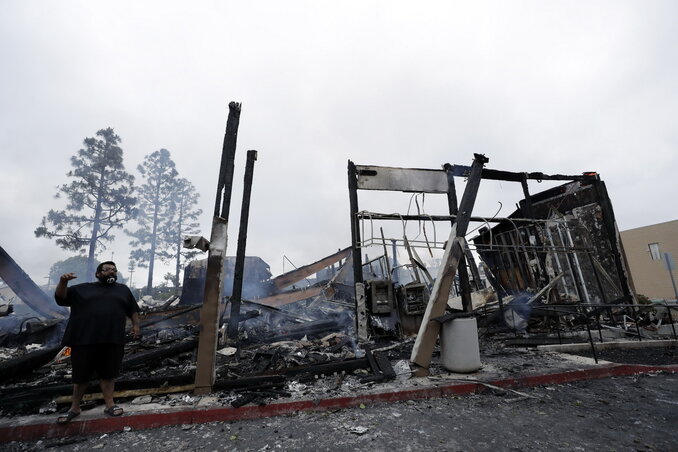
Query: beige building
[[645, 250]]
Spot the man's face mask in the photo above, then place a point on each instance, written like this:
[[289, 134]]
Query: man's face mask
[[108, 275]]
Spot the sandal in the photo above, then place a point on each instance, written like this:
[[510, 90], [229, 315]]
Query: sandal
[[115, 410], [66, 418]]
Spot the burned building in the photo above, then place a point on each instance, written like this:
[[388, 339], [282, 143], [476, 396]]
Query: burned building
[[253, 331], [559, 249], [256, 274], [569, 229]]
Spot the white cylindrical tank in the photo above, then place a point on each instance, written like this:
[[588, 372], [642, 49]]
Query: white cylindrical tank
[[459, 349]]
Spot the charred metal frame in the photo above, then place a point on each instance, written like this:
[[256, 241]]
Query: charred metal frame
[[415, 180], [437, 181], [359, 179]]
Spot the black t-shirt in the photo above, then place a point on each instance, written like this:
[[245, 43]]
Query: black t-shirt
[[98, 313]]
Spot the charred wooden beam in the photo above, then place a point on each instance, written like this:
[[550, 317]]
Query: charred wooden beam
[[381, 367], [209, 314], [529, 213], [129, 393], [170, 300], [40, 332], [227, 166], [22, 365], [465, 286], [289, 278], [293, 295], [169, 316], [144, 358], [275, 311], [492, 174], [236, 293], [11, 395], [249, 382], [299, 331], [355, 222], [454, 250], [358, 283], [24, 287], [34, 396]]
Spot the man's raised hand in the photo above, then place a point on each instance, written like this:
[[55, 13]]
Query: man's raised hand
[[67, 277]]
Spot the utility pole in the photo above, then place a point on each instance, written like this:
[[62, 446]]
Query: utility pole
[[131, 268]]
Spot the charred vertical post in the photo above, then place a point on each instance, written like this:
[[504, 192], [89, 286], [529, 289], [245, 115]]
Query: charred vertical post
[[209, 314], [598, 281], [465, 286], [541, 278], [528, 210], [242, 242], [394, 266], [358, 283], [477, 282], [225, 182], [355, 224]]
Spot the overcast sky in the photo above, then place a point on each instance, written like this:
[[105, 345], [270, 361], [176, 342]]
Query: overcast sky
[[551, 86]]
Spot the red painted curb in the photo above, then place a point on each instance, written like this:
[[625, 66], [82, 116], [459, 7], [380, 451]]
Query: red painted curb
[[34, 432]]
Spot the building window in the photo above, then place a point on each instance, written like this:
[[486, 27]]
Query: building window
[[654, 252]]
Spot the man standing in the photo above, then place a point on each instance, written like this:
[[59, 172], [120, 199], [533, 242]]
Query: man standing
[[96, 332]]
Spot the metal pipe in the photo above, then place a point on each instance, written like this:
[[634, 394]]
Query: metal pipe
[[578, 266], [593, 347], [557, 259]]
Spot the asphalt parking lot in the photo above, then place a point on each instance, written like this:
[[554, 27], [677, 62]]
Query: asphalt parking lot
[[635, 413]]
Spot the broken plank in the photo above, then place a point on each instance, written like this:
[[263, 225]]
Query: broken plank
[[16, 367], [291, 296], [143, 358], [289, 278], [454, 250], [428, 332], [129, 393]]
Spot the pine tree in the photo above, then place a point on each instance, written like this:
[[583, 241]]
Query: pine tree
[[183, 223], [155, 207], [100, 198]]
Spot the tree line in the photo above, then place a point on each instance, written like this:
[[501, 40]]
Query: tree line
[[102, 197]]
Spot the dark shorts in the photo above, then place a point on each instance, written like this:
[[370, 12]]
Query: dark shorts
[[102, 360]]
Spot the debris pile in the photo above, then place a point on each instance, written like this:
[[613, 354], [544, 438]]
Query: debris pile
[[551, 272]]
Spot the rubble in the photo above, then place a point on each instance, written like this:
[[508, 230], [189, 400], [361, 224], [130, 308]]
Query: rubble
[[545, 275]]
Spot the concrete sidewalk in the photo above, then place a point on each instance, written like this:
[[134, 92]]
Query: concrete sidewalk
[[517, 369]]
